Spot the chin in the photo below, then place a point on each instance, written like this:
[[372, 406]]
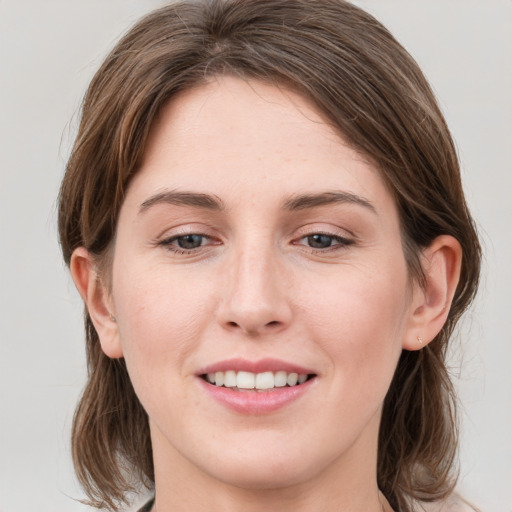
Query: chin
[[267, 466], [260, 476]]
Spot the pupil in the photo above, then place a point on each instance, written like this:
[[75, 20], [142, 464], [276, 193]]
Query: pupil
[[319, 241], [189, 241]]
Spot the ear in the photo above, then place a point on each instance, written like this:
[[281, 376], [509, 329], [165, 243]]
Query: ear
[[98, 301], [431, 303]]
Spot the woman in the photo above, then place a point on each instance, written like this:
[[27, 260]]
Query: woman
[[264, 216]]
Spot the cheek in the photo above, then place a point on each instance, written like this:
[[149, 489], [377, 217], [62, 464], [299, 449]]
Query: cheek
[[160, 318], [359, 319]]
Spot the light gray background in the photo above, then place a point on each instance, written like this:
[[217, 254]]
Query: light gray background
[[49, 51]]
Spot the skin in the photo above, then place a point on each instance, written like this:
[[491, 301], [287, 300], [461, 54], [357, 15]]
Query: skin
[[255, 288]]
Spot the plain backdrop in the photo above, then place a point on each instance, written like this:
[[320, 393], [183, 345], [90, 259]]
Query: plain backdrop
[[49, 52]]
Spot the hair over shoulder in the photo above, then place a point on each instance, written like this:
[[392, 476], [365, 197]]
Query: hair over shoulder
[[374, 94]]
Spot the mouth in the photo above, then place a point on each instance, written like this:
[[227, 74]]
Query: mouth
[[258, 387], [245, 381]]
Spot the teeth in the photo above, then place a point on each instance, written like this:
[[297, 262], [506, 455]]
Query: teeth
[[265, 380], [230, 379], [280, 379], [244, 380], [261, 381], [292, 379]]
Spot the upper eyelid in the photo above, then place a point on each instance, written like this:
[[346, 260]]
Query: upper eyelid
[[172, 238], [320, 229], [323, 228], [322, 233], [342, 240], [181, 235], [184, 230]]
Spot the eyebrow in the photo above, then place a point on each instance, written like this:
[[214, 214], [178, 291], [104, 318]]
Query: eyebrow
[[294, 203], [305, 201], [179, 198]]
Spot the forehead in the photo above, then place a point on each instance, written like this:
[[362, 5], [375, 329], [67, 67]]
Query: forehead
[[243, 113], [234, 132]]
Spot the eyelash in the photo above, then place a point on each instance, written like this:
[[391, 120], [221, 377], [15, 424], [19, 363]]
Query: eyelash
[[169, 243], [337, 242]]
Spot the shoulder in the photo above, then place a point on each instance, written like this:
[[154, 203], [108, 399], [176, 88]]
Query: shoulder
[[453, 503]]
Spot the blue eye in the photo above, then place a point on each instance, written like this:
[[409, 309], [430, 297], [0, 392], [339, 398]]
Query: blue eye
[[319, 241], [189, 241], [323, 242], [184, 243]]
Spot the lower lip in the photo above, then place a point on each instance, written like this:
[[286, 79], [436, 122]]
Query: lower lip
[[256, 402]]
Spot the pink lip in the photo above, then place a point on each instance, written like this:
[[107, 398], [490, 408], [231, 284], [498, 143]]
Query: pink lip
[[260, 366], [256, 402], [252, 401]]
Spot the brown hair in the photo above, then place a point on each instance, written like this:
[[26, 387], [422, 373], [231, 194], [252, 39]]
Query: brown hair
[[373, 92]]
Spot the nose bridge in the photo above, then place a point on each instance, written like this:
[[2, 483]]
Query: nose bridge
[[255, 298]]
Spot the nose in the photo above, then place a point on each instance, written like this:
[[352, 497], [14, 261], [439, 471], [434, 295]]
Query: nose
[[255, 299]]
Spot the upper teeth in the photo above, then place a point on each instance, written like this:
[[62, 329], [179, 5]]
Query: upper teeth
[[248, 380]]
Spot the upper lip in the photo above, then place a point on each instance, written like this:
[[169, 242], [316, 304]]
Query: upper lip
[[259, 366]]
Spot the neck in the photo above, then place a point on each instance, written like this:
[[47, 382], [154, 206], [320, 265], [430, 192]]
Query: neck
[[300, 498]]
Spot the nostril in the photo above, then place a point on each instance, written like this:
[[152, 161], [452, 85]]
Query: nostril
[[254, 329]]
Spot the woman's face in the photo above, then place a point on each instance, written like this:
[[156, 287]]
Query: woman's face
[[254, 246]]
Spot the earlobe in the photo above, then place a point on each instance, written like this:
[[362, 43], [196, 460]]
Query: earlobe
[[431, 303], [97, 300]]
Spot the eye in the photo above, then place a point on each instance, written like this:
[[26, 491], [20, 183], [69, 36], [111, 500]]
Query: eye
[[191, 241], [185, 243], [319, 241], [323, 241]]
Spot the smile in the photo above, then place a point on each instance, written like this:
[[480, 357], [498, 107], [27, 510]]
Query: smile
[[256, 387], [264, 381]]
